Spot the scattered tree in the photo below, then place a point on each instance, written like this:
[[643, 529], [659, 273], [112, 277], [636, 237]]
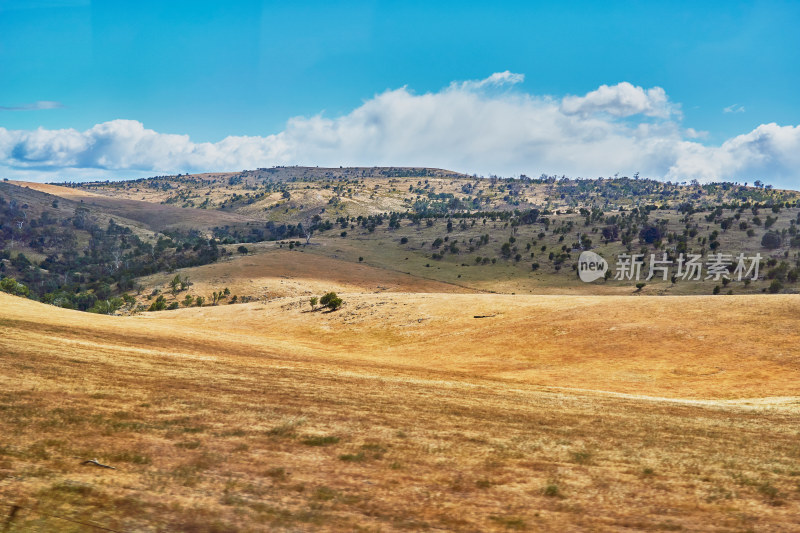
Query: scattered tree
[[331, 301], [771, 240]]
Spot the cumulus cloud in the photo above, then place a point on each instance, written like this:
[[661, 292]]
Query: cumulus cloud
[[41, 104], [620, 100], [466, 126], [769, 152]]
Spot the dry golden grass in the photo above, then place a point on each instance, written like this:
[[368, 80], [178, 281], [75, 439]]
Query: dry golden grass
[[155, 216], [403, 412], [265, 274], [70, 193]]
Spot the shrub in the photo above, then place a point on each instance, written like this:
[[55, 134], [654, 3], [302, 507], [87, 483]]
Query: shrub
[[12, 286], [551, 490], [107, 307], [350, 457], [776, 286], [320, 440], [159, 305]]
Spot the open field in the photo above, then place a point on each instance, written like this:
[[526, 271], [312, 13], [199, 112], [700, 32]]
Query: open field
[[404, 412]]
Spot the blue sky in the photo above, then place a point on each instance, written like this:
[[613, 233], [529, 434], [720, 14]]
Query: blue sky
[[217, 70]]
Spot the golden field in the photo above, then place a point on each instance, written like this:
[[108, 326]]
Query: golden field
[[404, 412], [269, 271]]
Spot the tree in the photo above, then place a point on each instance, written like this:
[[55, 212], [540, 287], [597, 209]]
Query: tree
[[331, 301], [650, 234], [313, 301], [11, 286], [159, 305], [175, 283], [771, 240], [307, 227], [218, 296]]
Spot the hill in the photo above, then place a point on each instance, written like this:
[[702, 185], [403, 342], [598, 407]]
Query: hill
[[512, 236], [268, 271], [518, 235], [70, 253], [154, 216], [404, 411]]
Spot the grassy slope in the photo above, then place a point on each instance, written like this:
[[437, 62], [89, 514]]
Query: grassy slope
[[153, 215], [268, 271], [372, 193], [39, 197], [443, 420]]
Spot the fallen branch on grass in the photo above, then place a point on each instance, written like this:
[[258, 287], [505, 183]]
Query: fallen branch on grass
[[95, 463]]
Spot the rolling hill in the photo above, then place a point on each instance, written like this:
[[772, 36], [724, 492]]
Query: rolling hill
[[469, 382], [404, 411]]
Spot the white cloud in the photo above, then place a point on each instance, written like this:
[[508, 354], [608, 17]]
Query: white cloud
[[495, 80], [41, 104], [770, 152], [464, 127], [620, 100], [695, 134], [734, 108]]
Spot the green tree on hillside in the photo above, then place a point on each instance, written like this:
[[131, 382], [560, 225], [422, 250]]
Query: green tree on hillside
[[331, 301]]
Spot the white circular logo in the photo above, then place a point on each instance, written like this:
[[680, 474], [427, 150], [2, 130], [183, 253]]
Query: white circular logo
[[591, 267]]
